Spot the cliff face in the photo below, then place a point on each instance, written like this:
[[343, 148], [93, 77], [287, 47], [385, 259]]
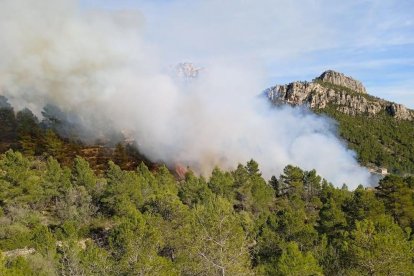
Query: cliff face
[[342, 80], [347, 95]]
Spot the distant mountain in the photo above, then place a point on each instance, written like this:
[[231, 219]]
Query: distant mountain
[[336, 90], [380, 131]]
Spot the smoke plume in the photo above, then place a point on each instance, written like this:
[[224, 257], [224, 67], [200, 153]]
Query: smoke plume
[[99, 66]]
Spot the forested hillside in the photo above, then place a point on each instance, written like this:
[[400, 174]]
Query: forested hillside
[[58, 220], [67, 208], [136, 138], [54, 136], [380, 141]]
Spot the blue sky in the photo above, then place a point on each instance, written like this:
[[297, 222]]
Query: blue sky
[[372, 41]]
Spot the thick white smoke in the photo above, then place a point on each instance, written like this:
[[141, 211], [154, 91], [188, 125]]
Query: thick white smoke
[[99, 66]]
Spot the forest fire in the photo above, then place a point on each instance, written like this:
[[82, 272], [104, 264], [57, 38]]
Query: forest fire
[[180, 170]]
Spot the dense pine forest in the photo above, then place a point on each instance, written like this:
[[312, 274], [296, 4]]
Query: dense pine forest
[[381, 141], [58, 220], [71, 209]]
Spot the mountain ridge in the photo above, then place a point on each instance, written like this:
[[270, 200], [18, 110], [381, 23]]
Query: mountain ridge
[[348, 95], [379, 131]]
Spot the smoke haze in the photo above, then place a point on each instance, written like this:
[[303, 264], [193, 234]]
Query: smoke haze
[[98, 65]]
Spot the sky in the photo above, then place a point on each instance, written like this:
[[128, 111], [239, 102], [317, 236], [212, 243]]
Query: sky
[[372, 41]]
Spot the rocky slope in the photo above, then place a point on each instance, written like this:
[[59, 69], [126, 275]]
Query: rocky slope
[[332, 88], [380, 132]]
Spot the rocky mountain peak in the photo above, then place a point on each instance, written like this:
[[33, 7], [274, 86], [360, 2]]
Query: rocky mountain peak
[[340, 79], [334, 89], [187, 70]]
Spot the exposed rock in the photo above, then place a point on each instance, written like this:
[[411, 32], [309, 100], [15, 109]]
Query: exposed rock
[[19, 252], [342, 80], [400, 112], [187, 70], [346, 95]]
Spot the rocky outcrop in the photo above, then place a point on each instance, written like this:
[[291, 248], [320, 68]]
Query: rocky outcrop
[[342, 80], [19, 252], [187, 70], [335, 89], [400, 112]]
